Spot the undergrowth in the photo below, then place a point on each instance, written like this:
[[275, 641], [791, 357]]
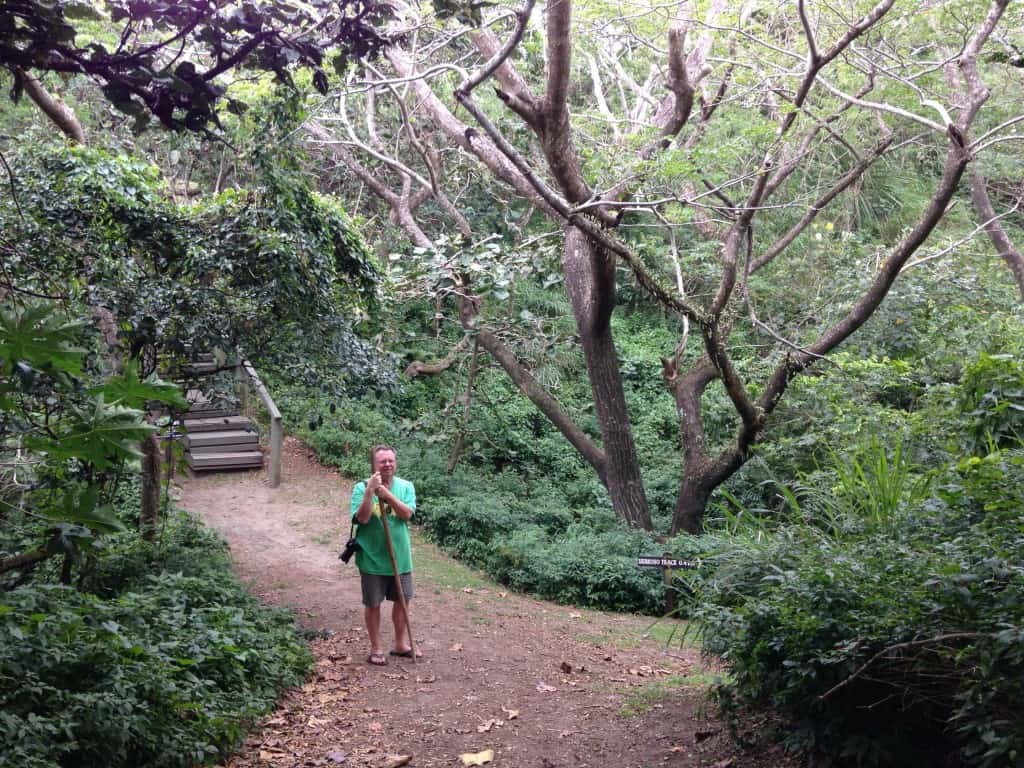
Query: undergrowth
[[159, 659]]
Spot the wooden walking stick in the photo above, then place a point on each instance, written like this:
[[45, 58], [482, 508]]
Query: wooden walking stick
[[385, 510]]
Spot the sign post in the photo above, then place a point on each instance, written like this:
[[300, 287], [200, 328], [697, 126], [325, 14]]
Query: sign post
[[668, 565]]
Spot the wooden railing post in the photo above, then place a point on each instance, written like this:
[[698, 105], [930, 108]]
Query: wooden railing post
[[242, 388], [276, 437], [276, 425]]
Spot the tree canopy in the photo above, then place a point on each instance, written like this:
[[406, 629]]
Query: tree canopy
[[167, 59]]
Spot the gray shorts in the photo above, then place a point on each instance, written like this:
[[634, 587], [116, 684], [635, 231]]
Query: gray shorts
[[377, 588]]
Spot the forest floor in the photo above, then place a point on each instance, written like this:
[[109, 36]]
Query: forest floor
[[538, 684]]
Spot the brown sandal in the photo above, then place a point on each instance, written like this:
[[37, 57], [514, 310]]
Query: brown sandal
[[377, 659]]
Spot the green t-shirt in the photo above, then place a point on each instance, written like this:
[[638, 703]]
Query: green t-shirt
[[373, 557]]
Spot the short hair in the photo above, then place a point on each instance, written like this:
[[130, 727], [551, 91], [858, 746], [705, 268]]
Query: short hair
[[377, 449]]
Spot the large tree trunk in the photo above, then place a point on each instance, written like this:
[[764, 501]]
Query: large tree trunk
[[149, 516], [691, 503], [590, 283]]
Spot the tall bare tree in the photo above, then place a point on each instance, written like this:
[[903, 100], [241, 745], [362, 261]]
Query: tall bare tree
[[623, 128]]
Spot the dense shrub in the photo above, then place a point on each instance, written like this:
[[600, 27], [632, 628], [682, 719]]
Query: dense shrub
[[166, 671], [579, 567], [885, 645], [993, 400]]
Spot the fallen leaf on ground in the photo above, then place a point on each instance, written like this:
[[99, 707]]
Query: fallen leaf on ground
[[477, 758], [677, 748], [545, 688], [485, 727], [396, 761], [512, 714], [468, 590], [456, 647], [575, 615], [503, 594]]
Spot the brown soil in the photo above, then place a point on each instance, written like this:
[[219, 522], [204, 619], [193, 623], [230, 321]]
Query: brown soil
[[541, 685]]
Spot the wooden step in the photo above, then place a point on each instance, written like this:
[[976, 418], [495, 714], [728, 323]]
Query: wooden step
[[225, 460], [213, 439], [198, 369], [210, 413], [217, 424]]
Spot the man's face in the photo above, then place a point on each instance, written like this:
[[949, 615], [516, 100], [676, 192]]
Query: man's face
[[385, 463]]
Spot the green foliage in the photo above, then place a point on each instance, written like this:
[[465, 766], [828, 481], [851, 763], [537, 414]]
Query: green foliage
[[884, 645], [992, 396], [277, 271], [66, 445], [34, 340], [166, 670], [535, 545]]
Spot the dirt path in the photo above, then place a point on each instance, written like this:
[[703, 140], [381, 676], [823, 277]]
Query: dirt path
[[541, 685]]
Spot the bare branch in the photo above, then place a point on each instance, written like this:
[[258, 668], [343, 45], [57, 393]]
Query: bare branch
[[52, 106], [500, 57], [818, 205], [812, 49], [899, 647], [420, 368], [882, 107], [602, 104]]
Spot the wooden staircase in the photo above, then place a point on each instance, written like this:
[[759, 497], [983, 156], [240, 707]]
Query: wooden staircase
[[222, 442], [219, 438]]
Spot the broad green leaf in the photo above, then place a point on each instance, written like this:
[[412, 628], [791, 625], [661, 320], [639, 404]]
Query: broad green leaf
[[128, 390], [78, 506], [39, 337], [102, 436]]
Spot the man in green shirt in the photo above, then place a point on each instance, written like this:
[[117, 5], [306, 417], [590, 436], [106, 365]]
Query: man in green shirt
[[398, 498]]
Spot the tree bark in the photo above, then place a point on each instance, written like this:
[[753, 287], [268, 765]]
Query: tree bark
[[995, 230], [53, 107], [149, 516], [691, 503], [590, 283], [26, 560]]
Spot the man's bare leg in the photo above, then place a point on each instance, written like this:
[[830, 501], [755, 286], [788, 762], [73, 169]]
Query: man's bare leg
[[372, 617], [401, 622]]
